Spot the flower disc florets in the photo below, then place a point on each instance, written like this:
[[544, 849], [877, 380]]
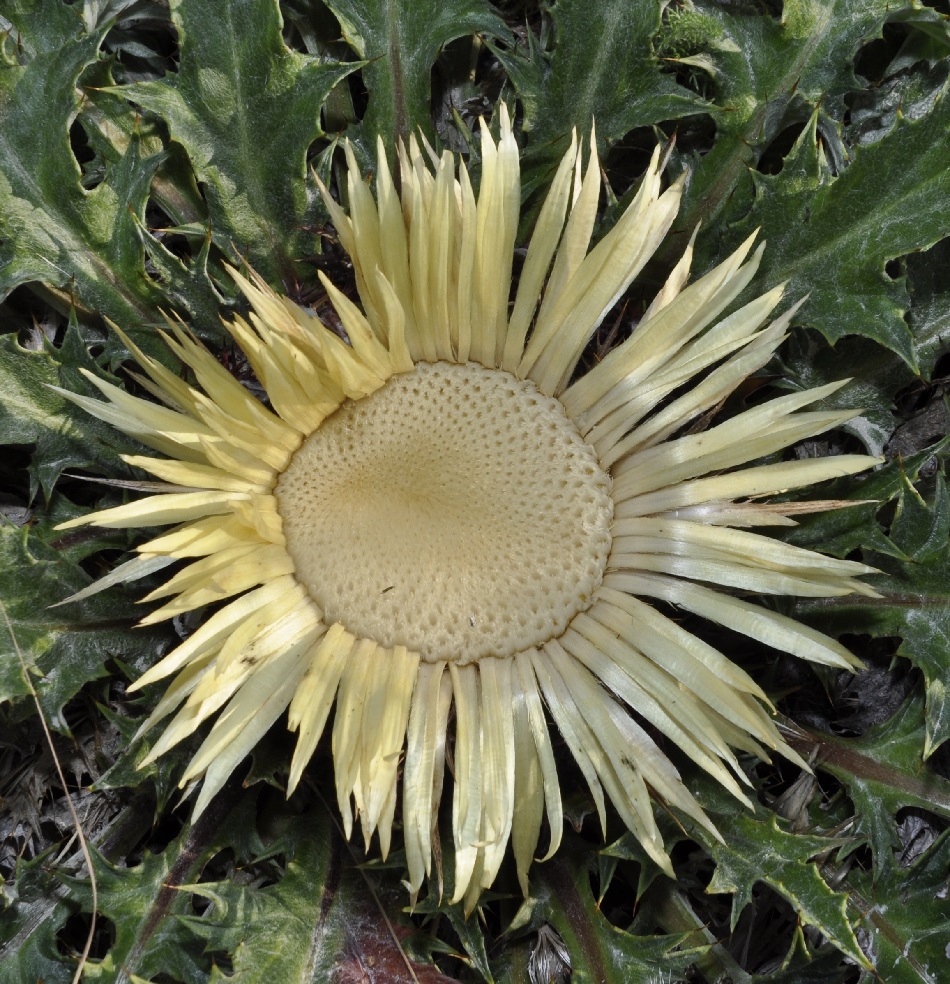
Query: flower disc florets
[[464, 514]]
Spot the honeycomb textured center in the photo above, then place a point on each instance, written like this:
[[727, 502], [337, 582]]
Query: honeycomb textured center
[[456, 511]]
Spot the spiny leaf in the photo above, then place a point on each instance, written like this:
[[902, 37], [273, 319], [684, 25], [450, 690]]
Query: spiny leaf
[[62, 436], [246, 109], [65, 647], [929, 316], [37, 27], [148, 902], [400, 43], [82, 244], [842, 531], [768, 73], [807, 53], [905, 914], [562, 898], [915, 561], [117, 140], [917, 608], [876, 380], [316, 923], [831, 236], [877, 377], [884, 772], [112, 126], [33, 915], [757, 849], [600, 64]]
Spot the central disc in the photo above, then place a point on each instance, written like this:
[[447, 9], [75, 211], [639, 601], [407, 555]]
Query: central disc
[[455, 511]]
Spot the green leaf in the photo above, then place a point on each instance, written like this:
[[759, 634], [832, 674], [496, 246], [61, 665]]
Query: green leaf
[[880, 382], [600, 65], [905, 914], [400, 43], [562, 898], [756, 849], [39, 27], [64, 648], [806, 54], [874, 376], [81, 244], [878, 379], [884, 772], [915, 585], [840, 532], [146, 902], [920, 529], [317, 922], [112, 126], [264, 888], [62, 436], [916, 607], [831, 237], [111, 129], [929, 316], [768, 73], [246, 109], [928, 39], [875, 380], [34, 911]]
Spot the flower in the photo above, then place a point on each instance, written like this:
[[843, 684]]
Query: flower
[[434, 513]]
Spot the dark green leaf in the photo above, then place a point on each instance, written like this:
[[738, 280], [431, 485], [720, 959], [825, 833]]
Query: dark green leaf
[[830, 237], [916, 597], [600, 65], [905, 914], [756, 849], [82, 244], [38, 27], [63, 648], [246, 109], [562, 898], [884, 772], [62, 436], [34, 911], [400, 43], [769, 73], [930, 295], [318, 922], [147, 904]]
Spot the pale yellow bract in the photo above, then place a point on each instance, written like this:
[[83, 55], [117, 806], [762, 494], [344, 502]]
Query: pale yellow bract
[[437, 514]]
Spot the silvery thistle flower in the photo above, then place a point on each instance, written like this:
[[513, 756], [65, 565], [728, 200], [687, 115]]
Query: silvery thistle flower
[[437, 514]]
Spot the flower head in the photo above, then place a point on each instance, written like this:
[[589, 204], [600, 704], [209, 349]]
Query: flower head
[[435, 514]]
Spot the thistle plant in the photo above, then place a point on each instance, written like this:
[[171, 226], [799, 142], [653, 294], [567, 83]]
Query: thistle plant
[[526, 497]]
